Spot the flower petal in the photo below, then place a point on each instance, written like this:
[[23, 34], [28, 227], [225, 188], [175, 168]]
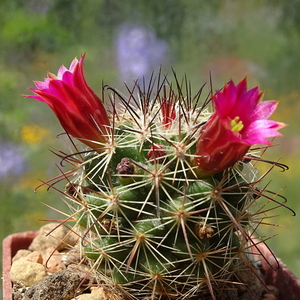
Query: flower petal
[[78, 108], [264, 110], [259, 130]]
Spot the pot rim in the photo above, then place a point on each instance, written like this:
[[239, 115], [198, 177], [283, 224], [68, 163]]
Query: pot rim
[[10, 245]]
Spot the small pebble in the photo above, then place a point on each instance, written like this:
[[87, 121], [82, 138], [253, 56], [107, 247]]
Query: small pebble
[[83, 271], [72, 257], [59, 286], [105, 293], [18, 289], [27, 272], [97, 290], [53, 235], [21, 253], [33, 257], [52, 261]]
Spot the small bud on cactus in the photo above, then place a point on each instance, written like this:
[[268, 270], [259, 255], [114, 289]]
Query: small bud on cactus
[[166, 199]]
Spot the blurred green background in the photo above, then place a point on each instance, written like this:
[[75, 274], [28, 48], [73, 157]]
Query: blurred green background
[[122, 40]]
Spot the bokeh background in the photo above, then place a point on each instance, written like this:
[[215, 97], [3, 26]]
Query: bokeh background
[[124, 40]]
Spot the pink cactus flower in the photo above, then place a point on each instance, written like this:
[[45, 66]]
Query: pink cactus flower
[[239, 121], [78, 109]]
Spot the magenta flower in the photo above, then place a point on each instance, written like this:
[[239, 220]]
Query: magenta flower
[[239, 121], [79, 110]]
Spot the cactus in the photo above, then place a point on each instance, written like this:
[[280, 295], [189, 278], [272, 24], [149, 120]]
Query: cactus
[[165, 199]]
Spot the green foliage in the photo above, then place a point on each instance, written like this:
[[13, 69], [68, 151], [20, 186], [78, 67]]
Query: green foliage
[[29, 33], [152, 13]]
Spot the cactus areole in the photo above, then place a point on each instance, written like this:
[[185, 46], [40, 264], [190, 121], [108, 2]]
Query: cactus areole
[[165, 198]]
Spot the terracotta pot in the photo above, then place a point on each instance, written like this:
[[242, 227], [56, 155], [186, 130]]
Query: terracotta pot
[[10, 246], [282, 278]]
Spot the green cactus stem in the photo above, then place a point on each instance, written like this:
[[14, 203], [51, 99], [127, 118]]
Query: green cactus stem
[[167, 200]]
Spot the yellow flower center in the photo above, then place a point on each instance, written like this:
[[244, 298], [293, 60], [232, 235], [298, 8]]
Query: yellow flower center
[[236, 125]]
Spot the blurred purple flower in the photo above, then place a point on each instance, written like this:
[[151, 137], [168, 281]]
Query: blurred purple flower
[[139, 52], [12, 161]]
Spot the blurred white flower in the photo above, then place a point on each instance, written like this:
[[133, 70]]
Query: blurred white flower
[[139, 52], [12, 161]]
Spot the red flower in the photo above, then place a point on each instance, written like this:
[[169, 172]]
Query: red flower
[[239, 121], [168, 113], [79, 110], [157, 153], [167, 107]]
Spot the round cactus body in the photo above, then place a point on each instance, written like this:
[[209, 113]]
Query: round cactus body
[[166, 196]]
